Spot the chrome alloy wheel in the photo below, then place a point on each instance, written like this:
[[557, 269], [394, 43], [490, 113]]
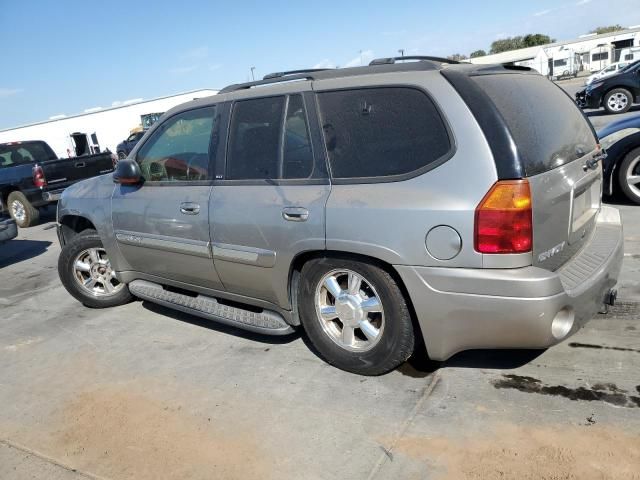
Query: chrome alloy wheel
[[18, 211], [92, 270], [349, 310], [633, 176], [617, 102]]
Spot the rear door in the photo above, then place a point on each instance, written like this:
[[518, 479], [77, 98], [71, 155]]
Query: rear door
[[162, 226], [269, 205], [559, 154]]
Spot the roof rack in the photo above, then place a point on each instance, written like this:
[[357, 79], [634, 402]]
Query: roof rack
[[274, 78], [392, 60], [269, 76]]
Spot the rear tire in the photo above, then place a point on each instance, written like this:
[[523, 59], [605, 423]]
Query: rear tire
[[85, 271], [371, 331], [628, 169], [618, 100], [21, 210]]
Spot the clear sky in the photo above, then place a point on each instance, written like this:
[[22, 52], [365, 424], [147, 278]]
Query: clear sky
[[62, 57]]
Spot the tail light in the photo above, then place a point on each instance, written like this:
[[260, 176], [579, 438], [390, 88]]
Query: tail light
[[114, 159], [38, 177], [503, 219]]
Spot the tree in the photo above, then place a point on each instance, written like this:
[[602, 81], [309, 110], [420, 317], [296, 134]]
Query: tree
[[534, 39], [478, 53], [514, 43], [457, 57], [607, 29]]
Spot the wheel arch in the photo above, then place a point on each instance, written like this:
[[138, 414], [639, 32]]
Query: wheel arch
[[4, 195], [73, 225], [302, 258]]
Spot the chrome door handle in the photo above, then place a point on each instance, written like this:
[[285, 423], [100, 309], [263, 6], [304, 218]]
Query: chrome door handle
[[189, 208], [295, 214], [80, 165]]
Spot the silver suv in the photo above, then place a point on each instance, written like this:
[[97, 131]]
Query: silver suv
[[376, 207]]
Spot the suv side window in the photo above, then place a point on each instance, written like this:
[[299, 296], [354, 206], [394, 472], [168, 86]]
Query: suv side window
[[266, 142], [178, 150], [381, 132]]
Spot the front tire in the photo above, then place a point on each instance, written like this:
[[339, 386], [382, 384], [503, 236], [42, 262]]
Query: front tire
[[629, 176], [355, 315], [618, 100], [86, 273], [21, 210]]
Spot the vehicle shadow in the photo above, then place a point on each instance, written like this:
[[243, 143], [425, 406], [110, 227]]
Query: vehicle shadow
[[15, 251], [419, 365], [219, 327], [602, 112]]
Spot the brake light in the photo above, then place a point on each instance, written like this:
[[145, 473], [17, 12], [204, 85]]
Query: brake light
[[38, 177], [503, 219]]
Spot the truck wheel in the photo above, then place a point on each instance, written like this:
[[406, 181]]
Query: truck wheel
[[122, 155], [618, 100], [629, 175], [355, 315], [22, 211], [85, 271]]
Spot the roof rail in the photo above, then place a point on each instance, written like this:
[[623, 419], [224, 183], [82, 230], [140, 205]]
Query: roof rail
[[274, 78], [269, 76], [392, 60]]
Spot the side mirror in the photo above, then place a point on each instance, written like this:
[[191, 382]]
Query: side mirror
[[127, 173]]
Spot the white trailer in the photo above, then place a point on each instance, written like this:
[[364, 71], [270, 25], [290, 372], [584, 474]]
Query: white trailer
[[600, 57], [565, 63], [109, 126]]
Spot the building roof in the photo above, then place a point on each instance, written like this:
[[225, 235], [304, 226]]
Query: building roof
[[108, 109], [510, 56]]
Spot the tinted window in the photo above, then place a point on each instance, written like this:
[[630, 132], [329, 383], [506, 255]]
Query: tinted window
[[559, 63], [547, 127], [263, 146], [179, 149], [297, 154], [600, 56], [25, 152], [379, 132]]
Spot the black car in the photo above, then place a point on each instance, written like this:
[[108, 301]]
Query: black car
[[32, 176], [615, 93], [127, 145], [621, 140]]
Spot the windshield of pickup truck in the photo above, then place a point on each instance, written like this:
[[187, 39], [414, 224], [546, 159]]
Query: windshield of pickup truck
[[21, 153]]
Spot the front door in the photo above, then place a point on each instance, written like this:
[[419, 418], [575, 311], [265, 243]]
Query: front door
[[270, 205], [162, 226]]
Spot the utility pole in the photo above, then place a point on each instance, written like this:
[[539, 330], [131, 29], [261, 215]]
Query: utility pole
[[401, 52], [253, 77]]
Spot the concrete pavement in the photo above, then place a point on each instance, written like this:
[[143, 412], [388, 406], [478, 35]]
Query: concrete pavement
[[141, 392]]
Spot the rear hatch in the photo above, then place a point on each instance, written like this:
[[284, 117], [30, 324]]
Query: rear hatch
[[66, 171], [557, 150]]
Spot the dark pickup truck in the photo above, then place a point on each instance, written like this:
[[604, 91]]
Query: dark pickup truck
[[31, 176]]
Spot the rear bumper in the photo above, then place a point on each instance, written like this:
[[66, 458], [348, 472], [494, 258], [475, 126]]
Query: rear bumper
[[52, 195], [460, 309], [8, 230]]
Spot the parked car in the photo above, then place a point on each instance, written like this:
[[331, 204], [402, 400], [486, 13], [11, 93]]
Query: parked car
[[8, 228], [616, 93], [125, 147], [376, 207], [621, 140], [32, 176], [606, 72]]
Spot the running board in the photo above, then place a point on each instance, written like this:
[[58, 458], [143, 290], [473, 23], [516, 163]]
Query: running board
[[266, 322]]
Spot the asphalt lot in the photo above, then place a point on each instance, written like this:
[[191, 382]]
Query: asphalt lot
[[142, 392]]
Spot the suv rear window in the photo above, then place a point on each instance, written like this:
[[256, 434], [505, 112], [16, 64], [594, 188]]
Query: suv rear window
[[547, 127], [381, 132]]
